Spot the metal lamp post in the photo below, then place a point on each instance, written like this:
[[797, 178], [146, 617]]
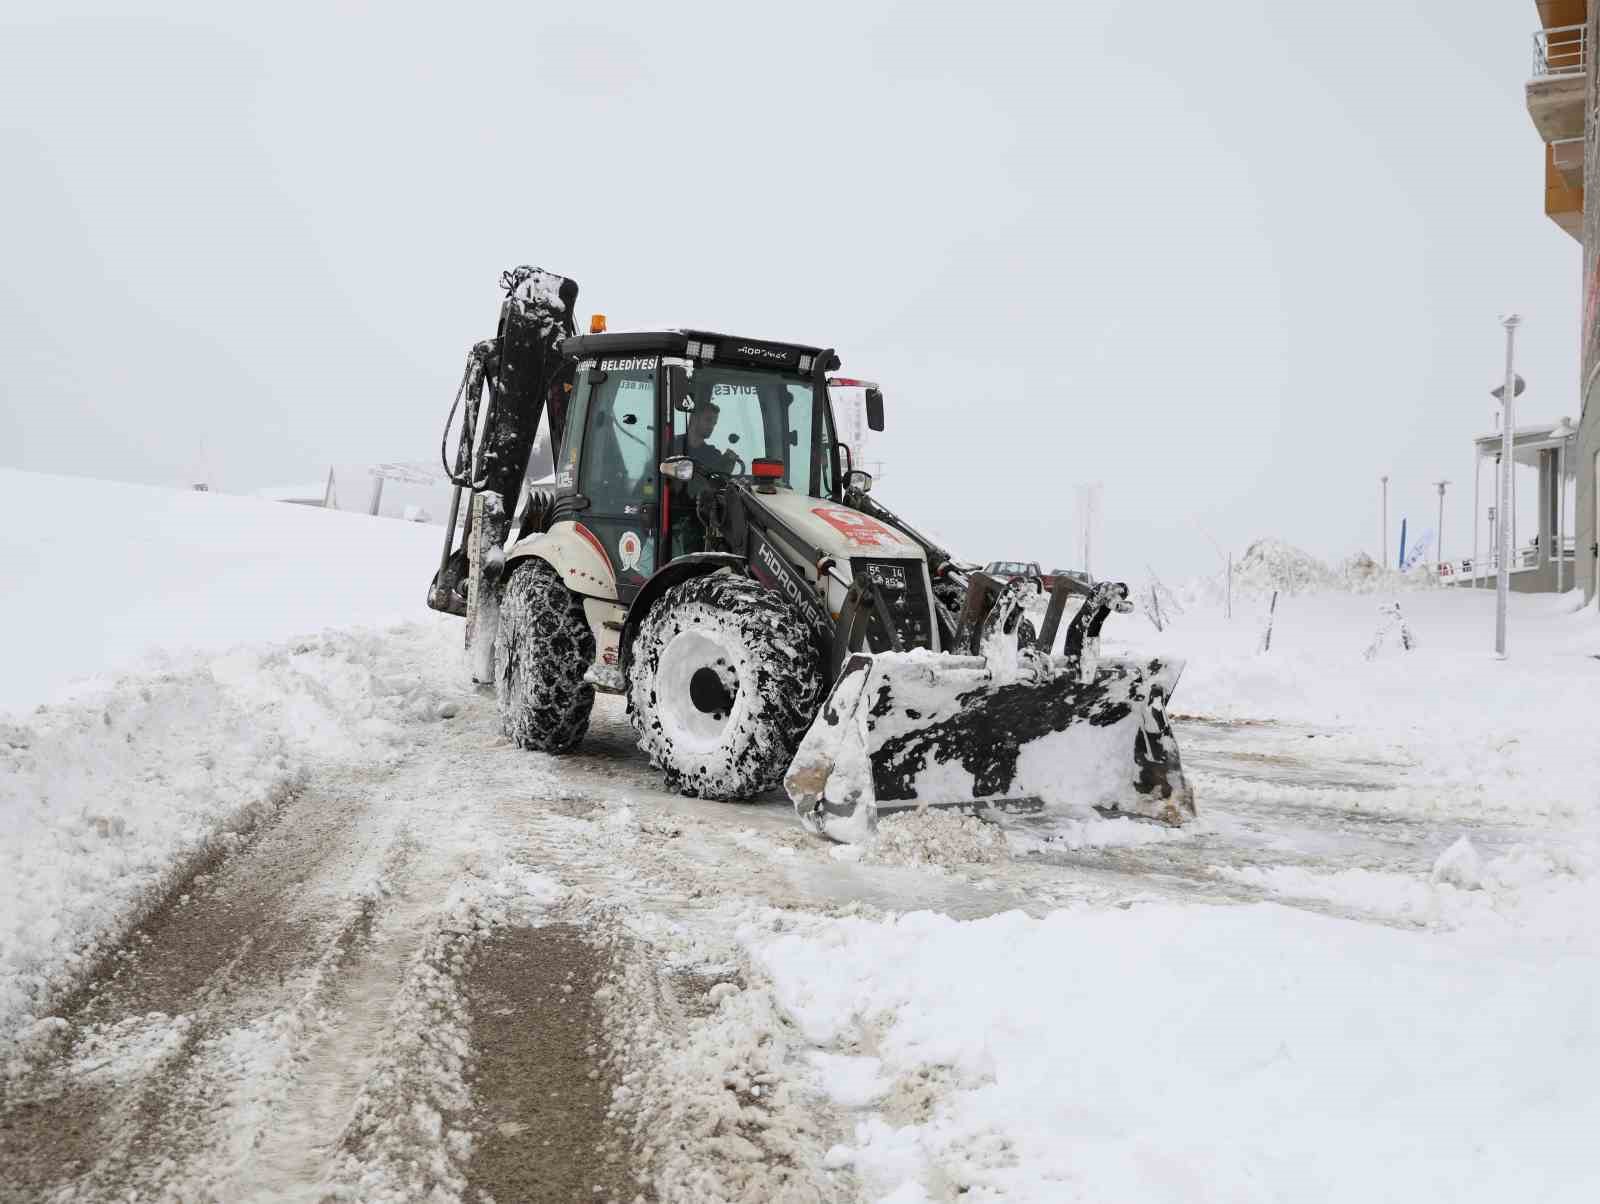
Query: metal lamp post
[[1438, 538], [1385, 481], [1507, 393]]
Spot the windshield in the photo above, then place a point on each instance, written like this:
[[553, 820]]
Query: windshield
[[733, 416]]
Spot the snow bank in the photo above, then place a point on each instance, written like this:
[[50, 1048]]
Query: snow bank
[[121, 785], [107, 802], [1243, 1053], [935, 838], [100, 574], [1274, 565]]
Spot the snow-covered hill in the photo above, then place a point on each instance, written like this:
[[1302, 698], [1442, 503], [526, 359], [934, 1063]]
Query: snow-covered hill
[[99, 574]]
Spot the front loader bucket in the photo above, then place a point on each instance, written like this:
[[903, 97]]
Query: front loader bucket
[[906, 730]]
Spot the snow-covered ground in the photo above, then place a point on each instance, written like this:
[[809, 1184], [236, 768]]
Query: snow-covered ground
[[1163, 1051], [143, 621], [1509, 736], [99, 576], [1369, 971]]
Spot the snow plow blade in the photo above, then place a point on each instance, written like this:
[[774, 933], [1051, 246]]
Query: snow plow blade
[[907, 730]]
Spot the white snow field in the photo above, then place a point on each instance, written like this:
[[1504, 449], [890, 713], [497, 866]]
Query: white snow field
[[246, 889], [123, 778], [99, 575]]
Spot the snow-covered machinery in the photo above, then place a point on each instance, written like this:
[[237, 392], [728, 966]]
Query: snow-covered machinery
[[670, 515]]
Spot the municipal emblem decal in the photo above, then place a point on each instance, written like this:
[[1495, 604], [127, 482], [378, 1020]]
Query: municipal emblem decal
[[860, 530], [629, 549]]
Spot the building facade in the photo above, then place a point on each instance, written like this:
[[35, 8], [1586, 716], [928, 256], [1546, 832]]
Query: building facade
[[1563, 101], [1588, 442]]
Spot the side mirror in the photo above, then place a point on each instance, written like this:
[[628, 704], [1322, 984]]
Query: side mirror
[[679, 468], [875, 409]]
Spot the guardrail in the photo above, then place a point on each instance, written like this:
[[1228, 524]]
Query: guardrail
[[1563, 50]]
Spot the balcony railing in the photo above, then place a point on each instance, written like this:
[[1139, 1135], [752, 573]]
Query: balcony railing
[[1522, 559], [1563, 50]]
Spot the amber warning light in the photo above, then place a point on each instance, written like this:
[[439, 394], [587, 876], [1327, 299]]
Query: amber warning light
[[597, 323]]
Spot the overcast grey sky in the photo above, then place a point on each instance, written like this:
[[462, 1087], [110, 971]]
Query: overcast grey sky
[[1233, 259]]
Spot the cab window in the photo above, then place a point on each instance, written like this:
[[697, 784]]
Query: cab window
[[619, 457], [759, 415], [620, 450]]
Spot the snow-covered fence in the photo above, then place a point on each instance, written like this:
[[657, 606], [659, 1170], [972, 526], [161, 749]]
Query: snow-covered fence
[[1159, 603], [1390, 620], [1266, 630], [1152, 608]]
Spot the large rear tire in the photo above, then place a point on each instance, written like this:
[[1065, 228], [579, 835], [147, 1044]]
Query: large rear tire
[[723, 683], [542, 649]]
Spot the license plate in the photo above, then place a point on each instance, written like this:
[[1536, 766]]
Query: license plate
[[887, 576]]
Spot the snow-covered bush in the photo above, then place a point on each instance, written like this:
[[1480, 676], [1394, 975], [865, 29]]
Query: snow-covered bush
[[1274, 565]]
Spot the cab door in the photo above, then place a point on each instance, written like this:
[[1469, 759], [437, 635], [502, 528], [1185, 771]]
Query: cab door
[[620, 469]]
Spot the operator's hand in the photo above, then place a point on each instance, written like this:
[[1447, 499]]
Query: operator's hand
[[730, 461]]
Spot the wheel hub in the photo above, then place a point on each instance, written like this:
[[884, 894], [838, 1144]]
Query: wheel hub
[[696, 689], [709, 695]]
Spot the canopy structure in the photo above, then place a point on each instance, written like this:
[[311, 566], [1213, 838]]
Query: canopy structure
[[1542, 561], [325, 494], [1529, 443]]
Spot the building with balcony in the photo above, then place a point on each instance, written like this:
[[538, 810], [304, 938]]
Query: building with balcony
[[1542, 547], [1562, 100], [1557, 101]]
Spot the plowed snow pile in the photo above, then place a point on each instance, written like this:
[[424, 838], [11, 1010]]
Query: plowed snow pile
[[109, 797], [1165, 1053], [932, 837]]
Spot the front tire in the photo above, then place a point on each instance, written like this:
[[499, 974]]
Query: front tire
[[723, 683], [542, 649]]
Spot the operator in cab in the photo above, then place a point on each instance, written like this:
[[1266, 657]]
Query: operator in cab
[[688, 533], [695, 440]]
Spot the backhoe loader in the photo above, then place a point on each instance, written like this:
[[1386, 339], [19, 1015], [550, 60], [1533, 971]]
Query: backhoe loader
[[670, 516]]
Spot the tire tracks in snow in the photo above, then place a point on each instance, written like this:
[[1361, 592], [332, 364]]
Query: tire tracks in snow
[[542, 1087], [1270, 799], [179, 1054], [299, 1023], [365, 1000]]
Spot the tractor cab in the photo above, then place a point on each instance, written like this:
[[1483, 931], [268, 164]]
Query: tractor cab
[[736, 408]]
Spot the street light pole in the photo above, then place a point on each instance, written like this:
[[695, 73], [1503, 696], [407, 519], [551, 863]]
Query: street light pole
[[1438, 538], [1503, 573], [1385, 481]]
